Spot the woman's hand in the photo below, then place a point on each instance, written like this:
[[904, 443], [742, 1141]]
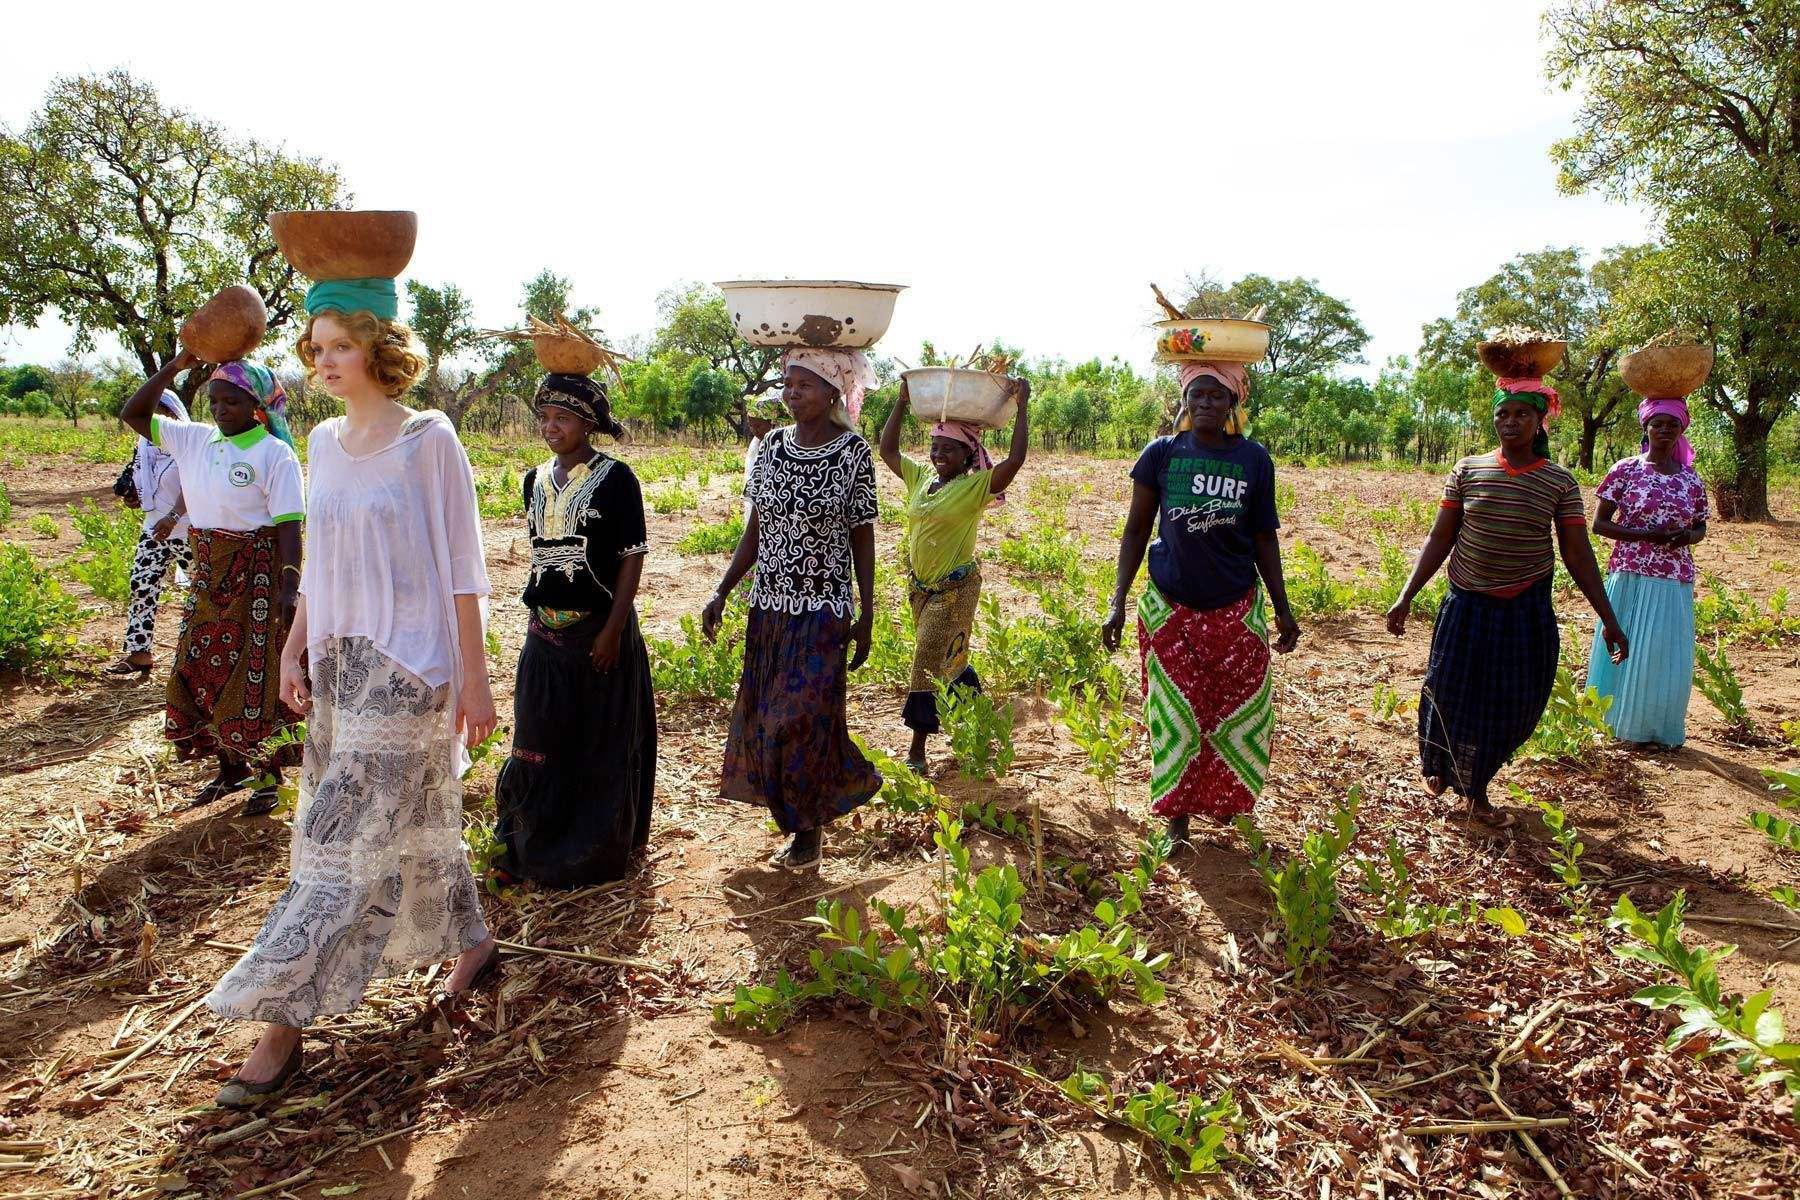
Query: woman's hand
[[605, 652], [1616, 644], [163, 528], [860, 633], [1020, 387], [1288, 631], [295, 688], [712, 616], [1113, 631], [475, 718], [184, 359], [1396, 616], [286, 601]]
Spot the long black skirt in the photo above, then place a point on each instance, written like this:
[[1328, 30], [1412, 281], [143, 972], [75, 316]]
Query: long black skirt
[[1493, 663], [574, 798]]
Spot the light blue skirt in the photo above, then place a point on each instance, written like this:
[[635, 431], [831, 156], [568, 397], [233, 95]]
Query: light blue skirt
[[1649, 689]]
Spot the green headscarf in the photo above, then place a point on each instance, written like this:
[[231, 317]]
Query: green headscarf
[[378, 296]]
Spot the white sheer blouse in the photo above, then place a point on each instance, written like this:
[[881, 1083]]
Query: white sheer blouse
[[392, 538]]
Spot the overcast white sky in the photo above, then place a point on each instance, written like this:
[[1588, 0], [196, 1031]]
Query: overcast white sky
[[1025, 168]]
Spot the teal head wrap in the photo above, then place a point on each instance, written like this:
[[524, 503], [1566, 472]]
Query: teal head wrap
[[378, 296]]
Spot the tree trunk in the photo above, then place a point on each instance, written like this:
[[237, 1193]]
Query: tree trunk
[[1748, 495], [1590, 430]]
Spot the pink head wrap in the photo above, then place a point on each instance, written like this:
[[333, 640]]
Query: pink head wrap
[[969, 434], [1511, 384], [1235, 376], [846, 370], [1684, 449]]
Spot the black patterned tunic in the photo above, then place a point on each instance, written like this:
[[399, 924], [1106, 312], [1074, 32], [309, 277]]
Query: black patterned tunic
[[574, 798]]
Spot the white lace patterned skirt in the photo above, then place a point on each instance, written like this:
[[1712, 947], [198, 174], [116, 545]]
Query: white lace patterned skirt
[[380, 883]]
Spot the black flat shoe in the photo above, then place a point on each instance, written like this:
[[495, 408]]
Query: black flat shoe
[[261, 802], [238, 1094], [217, 789], [444, 998], [126, 667]]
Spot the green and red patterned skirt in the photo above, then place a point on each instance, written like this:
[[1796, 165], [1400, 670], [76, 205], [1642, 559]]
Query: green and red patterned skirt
[[1207, 704], [224, 693]]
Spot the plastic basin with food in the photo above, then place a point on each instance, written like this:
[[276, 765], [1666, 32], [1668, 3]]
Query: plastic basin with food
[[1216, 339], [837, 313], [1522, 360], [959, 394], [1666, 372], [227, 327], [357, 244]]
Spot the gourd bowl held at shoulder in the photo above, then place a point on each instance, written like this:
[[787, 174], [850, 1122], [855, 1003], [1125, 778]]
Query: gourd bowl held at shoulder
[[355, 244], [227, 327], [840, 314]]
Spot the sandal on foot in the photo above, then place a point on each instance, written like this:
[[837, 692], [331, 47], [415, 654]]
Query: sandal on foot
[[785, 859], [240, 1094], [126, 667], [1489, 817]]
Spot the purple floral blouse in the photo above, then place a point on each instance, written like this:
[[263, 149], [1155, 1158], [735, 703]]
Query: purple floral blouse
[[1648, 499]]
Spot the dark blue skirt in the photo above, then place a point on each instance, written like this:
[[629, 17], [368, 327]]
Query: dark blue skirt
[[1493, 663]]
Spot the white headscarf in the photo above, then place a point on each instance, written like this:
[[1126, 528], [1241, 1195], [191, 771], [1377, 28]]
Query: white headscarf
[[846, 370], [148, 462]]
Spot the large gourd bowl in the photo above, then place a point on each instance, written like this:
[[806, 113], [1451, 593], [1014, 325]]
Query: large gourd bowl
[[1667, 372], [562, 355], [358, 244], [1211, 339], [959, 394], [1521, 360], [822, 313], [227, 327]]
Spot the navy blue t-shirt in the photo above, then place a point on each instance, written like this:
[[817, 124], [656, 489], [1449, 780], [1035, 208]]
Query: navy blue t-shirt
[[1212, 501]]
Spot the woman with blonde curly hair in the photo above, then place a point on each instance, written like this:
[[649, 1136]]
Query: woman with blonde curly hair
[[386, 658]]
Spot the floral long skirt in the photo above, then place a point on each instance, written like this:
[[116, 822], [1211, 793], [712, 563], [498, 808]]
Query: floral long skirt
[[1208, 704], [224, 694], [942, 617], [379, 880], [789, 747]]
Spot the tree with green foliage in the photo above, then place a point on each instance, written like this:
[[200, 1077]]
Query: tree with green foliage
[[123, 215], [707, 396], [1555, 291], [692, 323], [1692, 107], [1311, 332], [71, 386], [442, 317]]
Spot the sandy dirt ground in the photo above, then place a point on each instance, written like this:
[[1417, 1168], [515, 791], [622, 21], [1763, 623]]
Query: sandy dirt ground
[[601, 1073]]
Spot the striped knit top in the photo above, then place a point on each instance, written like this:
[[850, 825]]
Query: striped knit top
[[1505, 543]]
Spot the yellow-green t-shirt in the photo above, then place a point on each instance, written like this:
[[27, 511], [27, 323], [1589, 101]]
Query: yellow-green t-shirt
[[941, 525]]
